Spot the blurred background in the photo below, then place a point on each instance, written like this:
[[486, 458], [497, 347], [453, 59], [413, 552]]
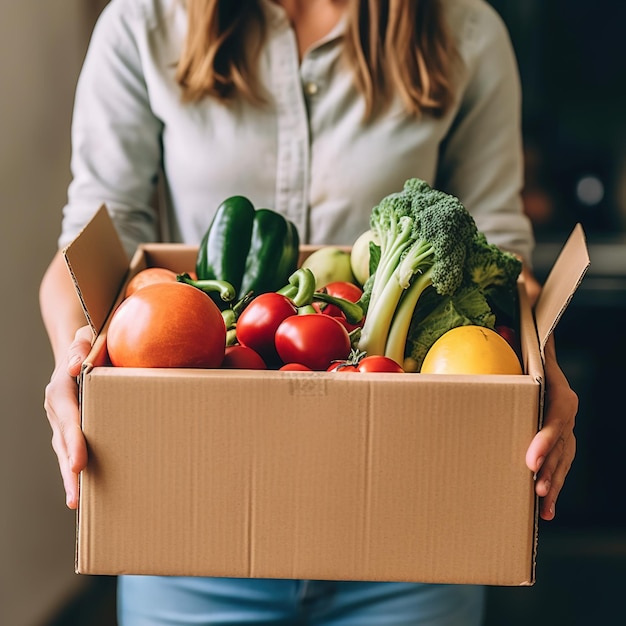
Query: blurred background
[[572, 59]]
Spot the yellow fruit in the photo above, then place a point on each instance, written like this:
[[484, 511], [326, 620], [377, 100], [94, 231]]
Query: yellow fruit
[[471, 350]]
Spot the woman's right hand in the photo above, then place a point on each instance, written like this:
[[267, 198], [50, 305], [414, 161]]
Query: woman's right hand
[[61, 405]]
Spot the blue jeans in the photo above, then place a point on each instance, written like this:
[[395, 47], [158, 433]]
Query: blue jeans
[[160, 601]]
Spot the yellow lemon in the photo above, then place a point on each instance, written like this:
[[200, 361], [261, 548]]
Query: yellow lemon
[[471, 350]]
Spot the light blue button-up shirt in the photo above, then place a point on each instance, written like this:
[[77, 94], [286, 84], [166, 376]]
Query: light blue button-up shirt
[[307, 153]]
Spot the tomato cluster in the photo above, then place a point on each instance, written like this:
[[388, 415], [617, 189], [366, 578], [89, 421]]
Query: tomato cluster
[[272, 326], [166, 323]]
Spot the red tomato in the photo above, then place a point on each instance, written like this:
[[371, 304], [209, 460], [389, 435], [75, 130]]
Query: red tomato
[[510, 335], [347, 291], [257, 324], [242, 358], [149, 276], [168, 324], [294, 367], [342, 367], [312, 339], [379, 363]]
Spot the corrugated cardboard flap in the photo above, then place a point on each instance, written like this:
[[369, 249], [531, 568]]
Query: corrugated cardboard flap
[[98, 264], [561, 284]]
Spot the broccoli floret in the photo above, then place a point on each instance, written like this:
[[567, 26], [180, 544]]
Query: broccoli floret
[[495, 272], [487, 293], [423, 235]]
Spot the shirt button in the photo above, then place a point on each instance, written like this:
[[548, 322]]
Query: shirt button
[[310, 88]]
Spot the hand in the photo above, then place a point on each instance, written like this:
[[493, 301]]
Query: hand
[[552, 450], [61, 405]]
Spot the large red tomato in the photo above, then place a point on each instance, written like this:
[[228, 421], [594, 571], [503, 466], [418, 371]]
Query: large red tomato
[[258, 322], [167, 324], [313, 340]]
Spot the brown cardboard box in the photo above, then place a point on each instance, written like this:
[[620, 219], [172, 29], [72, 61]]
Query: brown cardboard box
[[380, 477]]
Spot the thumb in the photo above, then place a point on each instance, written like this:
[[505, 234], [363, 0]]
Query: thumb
[[78, 350]]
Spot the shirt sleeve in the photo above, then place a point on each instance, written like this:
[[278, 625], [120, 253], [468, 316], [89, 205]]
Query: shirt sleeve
[[481, 161], [116, 138]]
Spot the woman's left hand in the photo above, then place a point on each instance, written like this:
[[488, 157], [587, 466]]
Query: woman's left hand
[[552, 450]]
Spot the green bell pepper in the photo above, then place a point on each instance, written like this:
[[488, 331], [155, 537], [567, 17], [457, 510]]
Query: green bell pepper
[[255, 250]]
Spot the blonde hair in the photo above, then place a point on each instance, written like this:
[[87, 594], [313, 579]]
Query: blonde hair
[[400, 46]]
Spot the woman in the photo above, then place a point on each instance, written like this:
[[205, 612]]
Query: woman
[[318, 109]]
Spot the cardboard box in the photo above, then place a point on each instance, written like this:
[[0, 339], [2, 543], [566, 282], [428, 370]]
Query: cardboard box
[[380, 477]]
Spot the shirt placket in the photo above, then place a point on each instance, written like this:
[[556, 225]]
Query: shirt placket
[[293, 138]]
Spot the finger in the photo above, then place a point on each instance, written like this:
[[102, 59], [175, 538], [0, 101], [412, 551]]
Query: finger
[[78, 350], [68, 475], [545, 478], [542, 445], [68, 442], [549, 485], [558, 424]]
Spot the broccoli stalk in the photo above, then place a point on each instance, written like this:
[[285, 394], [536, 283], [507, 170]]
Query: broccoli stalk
[[401, 322], [424, 235]]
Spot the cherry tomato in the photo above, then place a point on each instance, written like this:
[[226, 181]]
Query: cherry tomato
[[242, 358], [347, 291], [379, 363], [257, 324], [342, 367], [168, 324], [313, 340], [294, 367]]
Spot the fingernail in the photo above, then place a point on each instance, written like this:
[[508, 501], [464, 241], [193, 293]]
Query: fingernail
[[540, 461]]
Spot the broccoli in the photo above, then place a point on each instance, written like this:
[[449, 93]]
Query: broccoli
[[488, 292], [437, 314], [495, 272], [424, 235]]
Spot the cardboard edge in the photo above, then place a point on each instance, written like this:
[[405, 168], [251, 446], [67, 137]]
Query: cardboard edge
[[70, 268], [98, 264], [564, 278], [534, 368], [562, 282]]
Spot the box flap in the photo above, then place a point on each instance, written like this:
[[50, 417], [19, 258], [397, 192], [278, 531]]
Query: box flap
[[98, 264], [561, 284]]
